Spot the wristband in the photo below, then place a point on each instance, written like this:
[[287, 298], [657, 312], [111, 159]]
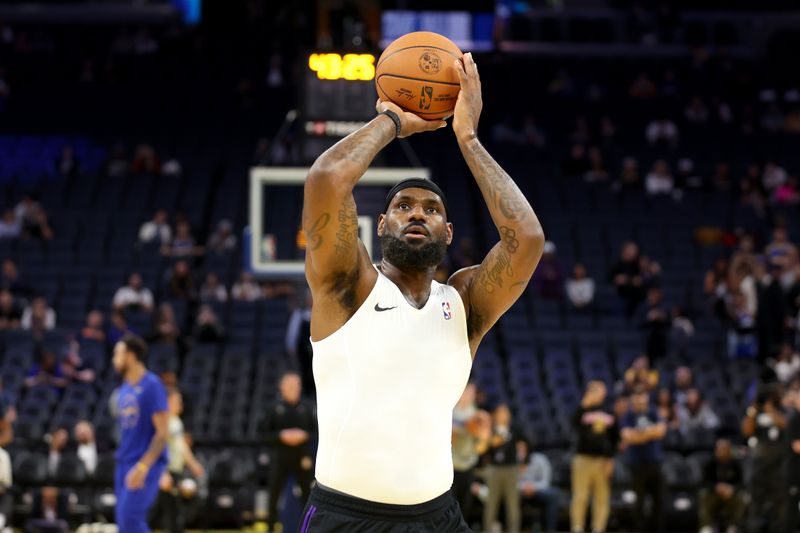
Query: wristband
[[392, 115]]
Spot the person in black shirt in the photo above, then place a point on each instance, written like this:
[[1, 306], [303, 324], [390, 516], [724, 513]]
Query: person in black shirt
[[627, 277], [593, 464], [721, 496], [502, 472], [289, 426], [793, 464], [763, 427]]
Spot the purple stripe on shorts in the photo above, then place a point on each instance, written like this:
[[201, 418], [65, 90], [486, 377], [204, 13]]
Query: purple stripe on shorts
[[307, 521]]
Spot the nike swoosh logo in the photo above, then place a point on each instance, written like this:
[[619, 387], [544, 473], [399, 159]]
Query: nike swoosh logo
[[379, 309]]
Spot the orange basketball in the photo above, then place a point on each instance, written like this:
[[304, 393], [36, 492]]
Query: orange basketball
[[416, 72]]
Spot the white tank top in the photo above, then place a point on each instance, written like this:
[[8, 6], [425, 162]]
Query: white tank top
[[387, 382]]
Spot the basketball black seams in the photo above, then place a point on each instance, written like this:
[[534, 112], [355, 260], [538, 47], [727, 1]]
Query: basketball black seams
[[432, 82], [380, 309], [446, 51]]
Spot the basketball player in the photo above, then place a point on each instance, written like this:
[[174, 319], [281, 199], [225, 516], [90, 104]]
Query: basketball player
[[392, 348], [143, 419]]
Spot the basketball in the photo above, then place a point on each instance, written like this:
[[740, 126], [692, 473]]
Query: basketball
[[416, 73]]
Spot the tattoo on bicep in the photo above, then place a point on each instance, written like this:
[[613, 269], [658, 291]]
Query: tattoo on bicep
[[493, 274], [313, 237], [347, 234]]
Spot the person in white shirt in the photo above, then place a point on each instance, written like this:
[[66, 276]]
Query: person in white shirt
[[662, 131], [787, 365], [87, 447], [133, 295], [580, 287], [659, 180], [156, 230], [10, 226], [246, 288], [38, 315]]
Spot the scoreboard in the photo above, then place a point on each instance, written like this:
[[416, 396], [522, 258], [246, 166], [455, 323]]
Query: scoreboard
[[338, 97]]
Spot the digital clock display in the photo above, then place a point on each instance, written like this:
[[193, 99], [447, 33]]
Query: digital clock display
[[343, 67]]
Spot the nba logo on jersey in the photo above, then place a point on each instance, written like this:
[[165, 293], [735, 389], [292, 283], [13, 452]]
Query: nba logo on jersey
[[446, 310]]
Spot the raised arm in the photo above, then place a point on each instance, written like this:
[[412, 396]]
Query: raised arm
[[490, 288], [336, 261]]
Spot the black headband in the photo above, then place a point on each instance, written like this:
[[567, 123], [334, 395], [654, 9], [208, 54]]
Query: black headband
[[417, 183]]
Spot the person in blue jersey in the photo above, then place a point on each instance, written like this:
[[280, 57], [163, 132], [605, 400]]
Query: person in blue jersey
[[143, 422]]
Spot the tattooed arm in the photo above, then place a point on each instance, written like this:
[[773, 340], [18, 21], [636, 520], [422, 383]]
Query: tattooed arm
[[490, 288], [337, 265]]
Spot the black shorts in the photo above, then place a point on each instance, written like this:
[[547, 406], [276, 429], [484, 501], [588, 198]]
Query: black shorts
[[333, 512]]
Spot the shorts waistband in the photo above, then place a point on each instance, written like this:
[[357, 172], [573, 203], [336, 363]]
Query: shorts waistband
[[343, 503]]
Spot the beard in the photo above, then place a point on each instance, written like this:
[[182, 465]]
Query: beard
[[413, 258]]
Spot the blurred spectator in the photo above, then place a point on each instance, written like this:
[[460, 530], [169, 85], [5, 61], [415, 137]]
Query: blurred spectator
[[10, 227], [549, 277], [533, 134], [118, 327], [562, 85], [654, 319], [212, 290], [764, 427], [58, 443], [87, 447], [659, 180], [298, 340], [74, 367], [133, 296], [502, 473], [10, 313], [11, 280], [33, 219], [593, 463], [156, 230], [145, 160], [181, 282], [222, 240], [577, 164], [597, 170], [787, 365], [67, 164], [172, 168], [786, 194], [208, 327], [651, 272], [95, 327], [49, 511], [686, 177], [472, 429], [684, 381], [696, 414], [722, 501], [774, 176], [629, 175], [696, 111], [165, 326], [643, 432], [780, 251], [742, 340], [627, 276], [46, 371], [643, 88], [715, 281], [681, 331], [793, 462], [246, 288], [667, 408], [465, 254], [117, 165], [772, 119], [580, 133], [640, 376], [183, 244], [535, 486], [662, 131], [38, 316], [721, 178], [608, 130], [5, 90], [580, 287]]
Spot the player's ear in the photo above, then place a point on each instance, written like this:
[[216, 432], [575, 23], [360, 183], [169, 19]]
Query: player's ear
[[449, 232], [381, 224]]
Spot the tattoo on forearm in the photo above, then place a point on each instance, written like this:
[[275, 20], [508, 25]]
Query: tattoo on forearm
[[362, 146], [313, 237], [503, 193], [492, 277]]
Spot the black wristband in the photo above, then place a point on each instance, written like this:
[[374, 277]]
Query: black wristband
[[392, 115]]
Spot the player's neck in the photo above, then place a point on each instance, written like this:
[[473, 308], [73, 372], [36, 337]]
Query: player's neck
[[135, 374], [415, 286]]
